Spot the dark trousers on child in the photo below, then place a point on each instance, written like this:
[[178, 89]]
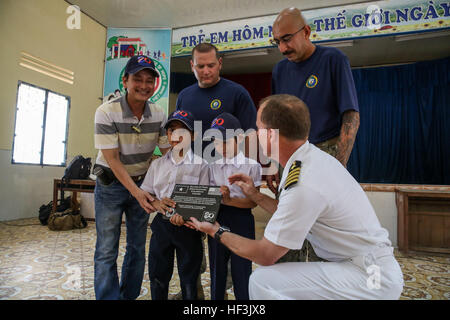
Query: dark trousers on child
[[167, 239], [241, 222]]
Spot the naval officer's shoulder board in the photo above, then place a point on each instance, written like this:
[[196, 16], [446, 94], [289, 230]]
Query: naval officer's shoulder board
[[293, 175]]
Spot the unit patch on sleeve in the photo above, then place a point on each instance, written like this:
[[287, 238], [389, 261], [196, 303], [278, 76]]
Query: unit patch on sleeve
[[293, 175]]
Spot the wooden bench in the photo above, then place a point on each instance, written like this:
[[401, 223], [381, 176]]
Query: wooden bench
[[74, 186]]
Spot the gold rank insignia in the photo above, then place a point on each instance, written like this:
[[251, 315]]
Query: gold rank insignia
[[293, 175]]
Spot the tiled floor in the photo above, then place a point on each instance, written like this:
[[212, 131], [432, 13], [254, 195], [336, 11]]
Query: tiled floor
[[36, 263]]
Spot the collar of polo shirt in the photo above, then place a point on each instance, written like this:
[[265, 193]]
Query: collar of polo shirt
[[127, 113]]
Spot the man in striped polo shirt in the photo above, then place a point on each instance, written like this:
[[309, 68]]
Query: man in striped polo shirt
[[127, 130]]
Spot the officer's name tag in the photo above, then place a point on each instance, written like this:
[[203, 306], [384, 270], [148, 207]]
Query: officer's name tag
[[200, 202]]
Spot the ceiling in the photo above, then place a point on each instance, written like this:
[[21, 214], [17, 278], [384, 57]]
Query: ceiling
[[365, 52], [184, 13]]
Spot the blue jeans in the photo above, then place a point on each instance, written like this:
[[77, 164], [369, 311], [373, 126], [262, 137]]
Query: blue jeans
[[110, 203]]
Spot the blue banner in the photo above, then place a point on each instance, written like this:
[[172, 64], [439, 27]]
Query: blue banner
[[368, 19]]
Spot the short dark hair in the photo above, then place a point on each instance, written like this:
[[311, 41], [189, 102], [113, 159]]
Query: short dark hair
[[205, 47], [288, 114]]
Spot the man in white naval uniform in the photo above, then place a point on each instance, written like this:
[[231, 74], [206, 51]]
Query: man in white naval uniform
[[321, 202]]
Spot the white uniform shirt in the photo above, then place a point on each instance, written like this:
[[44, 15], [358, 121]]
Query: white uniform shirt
[[221, 169], [328, 207], [164, 173]]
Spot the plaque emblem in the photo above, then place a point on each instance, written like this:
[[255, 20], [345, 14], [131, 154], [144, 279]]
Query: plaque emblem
[[208, 216]]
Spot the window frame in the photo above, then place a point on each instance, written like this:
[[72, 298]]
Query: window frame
[[47, 91]]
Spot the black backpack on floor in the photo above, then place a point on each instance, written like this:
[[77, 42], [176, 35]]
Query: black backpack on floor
[[46, 209]]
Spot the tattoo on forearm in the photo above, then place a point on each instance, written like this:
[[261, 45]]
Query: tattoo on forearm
[[349, 128]]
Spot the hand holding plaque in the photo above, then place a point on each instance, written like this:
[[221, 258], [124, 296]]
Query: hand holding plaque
[[164, 205], [201, 202]]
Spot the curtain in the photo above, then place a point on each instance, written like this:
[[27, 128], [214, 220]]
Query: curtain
[[257, 84], [404, 134]]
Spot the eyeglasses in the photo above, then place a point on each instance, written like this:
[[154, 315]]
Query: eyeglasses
[[286, 38]]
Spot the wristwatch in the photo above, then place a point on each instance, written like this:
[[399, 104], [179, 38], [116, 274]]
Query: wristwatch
[[219, 232]]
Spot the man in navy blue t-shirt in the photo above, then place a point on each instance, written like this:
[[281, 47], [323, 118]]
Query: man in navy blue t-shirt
[[213, 95], [321, 77]]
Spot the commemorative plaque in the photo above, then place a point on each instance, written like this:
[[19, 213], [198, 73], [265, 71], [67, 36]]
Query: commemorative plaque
[[198, 201]]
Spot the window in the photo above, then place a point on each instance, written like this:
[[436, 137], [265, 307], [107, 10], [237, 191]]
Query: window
[[40, 133]]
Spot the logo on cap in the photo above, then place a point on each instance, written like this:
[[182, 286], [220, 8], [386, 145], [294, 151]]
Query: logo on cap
[[216, 104], [181, 113], [218, 122], [144, 60], [312, 81]]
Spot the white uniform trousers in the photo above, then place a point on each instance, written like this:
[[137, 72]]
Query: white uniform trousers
[[327, 280]]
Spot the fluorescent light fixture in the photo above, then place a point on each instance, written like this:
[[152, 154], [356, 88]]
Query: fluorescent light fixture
[[47, 68], [243, 54], [337, 44], [44, 67], [45, 72], [424, 35]]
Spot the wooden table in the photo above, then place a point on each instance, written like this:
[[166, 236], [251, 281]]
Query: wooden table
[[75, 186], [423, 220]]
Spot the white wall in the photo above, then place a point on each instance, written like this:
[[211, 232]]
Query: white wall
[[24, 188], [39, 28], [386, 210]]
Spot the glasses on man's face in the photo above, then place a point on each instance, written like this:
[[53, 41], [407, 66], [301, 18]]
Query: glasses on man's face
[[286, 38]]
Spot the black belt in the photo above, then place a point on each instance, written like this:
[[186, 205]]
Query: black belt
[[107, 176]]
